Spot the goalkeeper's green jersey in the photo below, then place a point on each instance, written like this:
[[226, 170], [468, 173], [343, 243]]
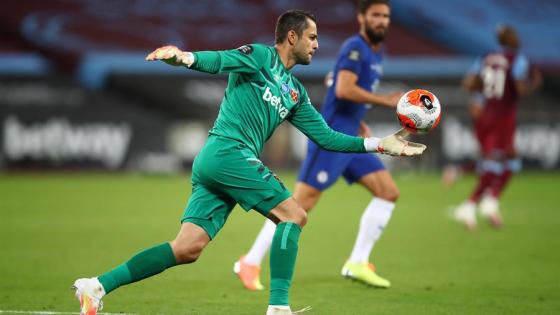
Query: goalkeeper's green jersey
[[260, 95]]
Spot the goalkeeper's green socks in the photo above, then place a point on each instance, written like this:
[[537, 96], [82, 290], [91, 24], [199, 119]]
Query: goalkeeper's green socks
[[141, 266], [283, 254], [158, 258]]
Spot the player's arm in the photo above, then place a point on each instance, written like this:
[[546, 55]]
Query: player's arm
[[526, 81], [533, 84], [472, 81], [311, 123], [347, 88], [245, 59], [476, 105], [351, 64], [364, 130]]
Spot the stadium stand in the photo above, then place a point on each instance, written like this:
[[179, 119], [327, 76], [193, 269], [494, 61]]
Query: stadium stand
[[74, 65], [99, 37], [472, 30]]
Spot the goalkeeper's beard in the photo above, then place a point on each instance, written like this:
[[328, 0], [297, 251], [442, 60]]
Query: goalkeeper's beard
[[302, 59]]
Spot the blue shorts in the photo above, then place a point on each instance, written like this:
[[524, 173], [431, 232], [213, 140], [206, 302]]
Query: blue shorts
[[322, 168]]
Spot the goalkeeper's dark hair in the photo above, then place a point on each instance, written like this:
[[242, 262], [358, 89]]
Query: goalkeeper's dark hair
[[363, 5], [293, 20]]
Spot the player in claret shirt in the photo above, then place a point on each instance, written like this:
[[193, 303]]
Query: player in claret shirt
[[501, 77], [261, 94]]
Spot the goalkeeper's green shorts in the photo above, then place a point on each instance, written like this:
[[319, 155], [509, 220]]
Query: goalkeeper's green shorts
[[225, 173]]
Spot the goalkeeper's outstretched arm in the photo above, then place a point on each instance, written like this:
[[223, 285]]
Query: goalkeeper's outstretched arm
[[312, 124], [224, 61], [172, 55]]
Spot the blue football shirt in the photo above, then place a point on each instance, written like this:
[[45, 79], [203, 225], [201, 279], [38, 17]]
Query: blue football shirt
[[321, 168], [355, 55]]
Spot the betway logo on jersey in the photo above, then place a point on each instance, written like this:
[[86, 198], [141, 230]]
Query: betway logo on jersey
[[276, 102]]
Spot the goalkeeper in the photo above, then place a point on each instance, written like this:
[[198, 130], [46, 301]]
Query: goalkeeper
[[261, 94]]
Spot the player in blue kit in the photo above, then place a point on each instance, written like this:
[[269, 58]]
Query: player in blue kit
[[355, 79]]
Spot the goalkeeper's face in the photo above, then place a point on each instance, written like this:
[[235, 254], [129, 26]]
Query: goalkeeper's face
[[306, 44]]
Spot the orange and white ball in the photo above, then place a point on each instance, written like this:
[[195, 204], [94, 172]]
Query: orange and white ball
[[419, 111]]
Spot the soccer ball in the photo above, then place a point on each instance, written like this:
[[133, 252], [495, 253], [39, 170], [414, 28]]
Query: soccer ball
[[419, 111]]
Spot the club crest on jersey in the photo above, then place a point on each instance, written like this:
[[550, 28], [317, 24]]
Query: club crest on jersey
[[245, 49], [295, 95], [285, 88], [354, 55], [275, 102]]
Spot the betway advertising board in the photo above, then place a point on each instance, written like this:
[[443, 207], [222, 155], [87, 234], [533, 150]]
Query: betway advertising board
[[49, 125], [71, 128]]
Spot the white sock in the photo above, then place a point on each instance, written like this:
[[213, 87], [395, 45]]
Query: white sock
[[280, 307], [373, 221], [101, 288], [262, 244]]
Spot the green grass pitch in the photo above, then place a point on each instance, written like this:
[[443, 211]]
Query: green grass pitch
[[55, 228]]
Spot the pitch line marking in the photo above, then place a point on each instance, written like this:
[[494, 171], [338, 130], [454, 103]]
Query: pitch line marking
[[55, 313]]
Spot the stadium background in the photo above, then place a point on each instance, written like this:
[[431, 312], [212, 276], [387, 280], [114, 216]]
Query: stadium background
[[82, 113], [75, 91]]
